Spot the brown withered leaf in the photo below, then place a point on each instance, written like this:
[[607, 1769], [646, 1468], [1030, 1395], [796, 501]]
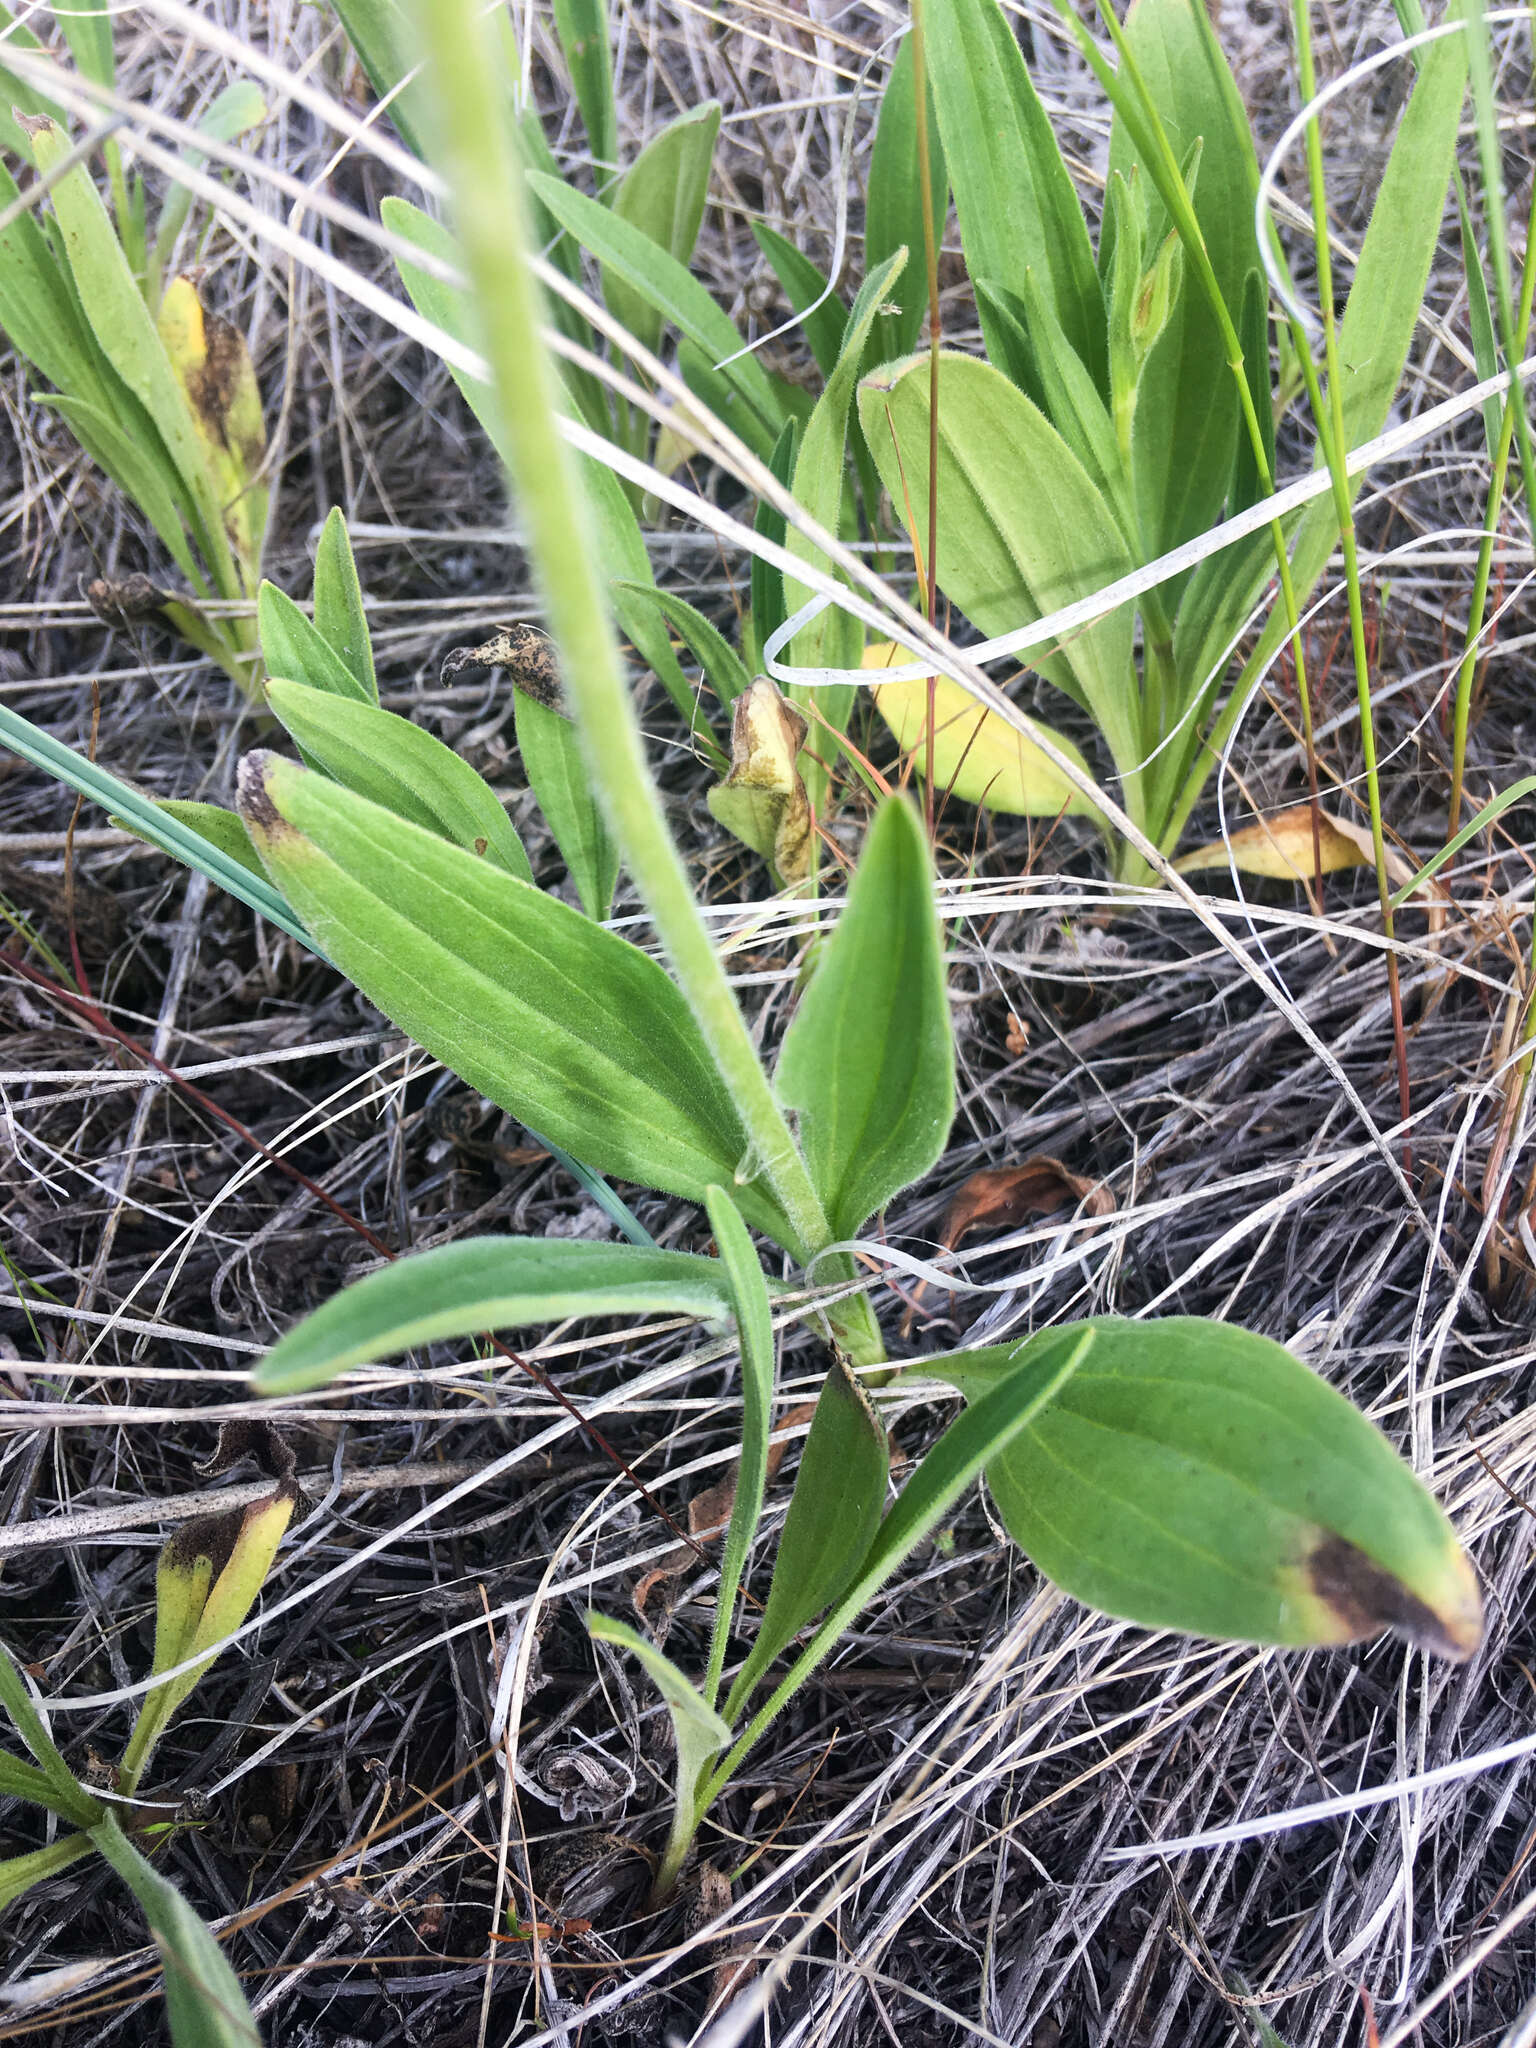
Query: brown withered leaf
[[762, 799], [1000, 1197], [1281, 848], [524, 652]]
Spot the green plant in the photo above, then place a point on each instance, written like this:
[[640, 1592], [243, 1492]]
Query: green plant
[[208, 1578], [157, 389], [1185, 1474], [1127, 398]]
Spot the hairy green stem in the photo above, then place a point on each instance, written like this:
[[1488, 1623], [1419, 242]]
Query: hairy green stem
[[490, 213]]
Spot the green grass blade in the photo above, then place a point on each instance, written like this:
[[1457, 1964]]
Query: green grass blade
[[582, 26], [723, 667], [148, 819], [893, 209], [823, 316], [663, 194], [557, 775]]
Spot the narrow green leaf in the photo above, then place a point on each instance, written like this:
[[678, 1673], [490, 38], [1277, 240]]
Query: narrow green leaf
[[122, 325], [666, 285], [1017, 205], [834, 1512], [835, 639], [234, 112], [87, 26], [294, 650], [867, 1064], [768, 612], [754, 1324], [381, 34], [1022, 528], [663, 194], [1198, 1477], [203, 1999], [1070, 400], [971, 1441], [893, 207], [1374, 337], [1253, 332], [20, 1780], [486, 1283], [394, 763], [66, 1794], [723, 667], [560, 1022], [39, 312], [822, 314], [18, 1874], [582, 26], [16, 96], [619, 538], [340, 618], [557, 775], [141, 469], [1187, 416]]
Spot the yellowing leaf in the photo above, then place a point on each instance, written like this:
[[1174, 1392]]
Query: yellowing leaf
[[762, 799], [213, 367], [1281, 848], [977, 755]]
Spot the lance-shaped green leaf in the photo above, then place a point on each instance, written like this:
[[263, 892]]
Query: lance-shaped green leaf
[[982, 1433], [768, 612], [233, 113], [66, 1795], [560, 1022], [340, 618], [662, 282], [293, 647], [557, 775], [868, 1065], [203, 1999], [394, 763], [122, 326], [754, 1324], [1187, 417], [582, 26], [893, 210], [835, 639], [823, 316], [663, 194], [1022, 527], [486, 1283], [700, 1734], [723, 667], [619, 537], [1017, 205], [834, 1511], [1374, 337], [18, 1874], [1197, 1477]]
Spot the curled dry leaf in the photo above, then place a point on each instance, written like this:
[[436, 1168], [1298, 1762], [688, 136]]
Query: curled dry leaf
[[524, 652], [999, 1197], [762, 799], [977, 756], [1280, 847]]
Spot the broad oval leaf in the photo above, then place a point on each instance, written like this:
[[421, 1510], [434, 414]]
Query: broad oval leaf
[[1022, 527], [560, 1022], [868, 1065], [976, 755], [834, 1511], [486, 1283], [409, 771], [1197, 1477]]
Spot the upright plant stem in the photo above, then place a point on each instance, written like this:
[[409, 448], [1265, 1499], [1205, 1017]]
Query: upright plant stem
[[491, 217], [1514, 412], [935, 338], [1331, 430]]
